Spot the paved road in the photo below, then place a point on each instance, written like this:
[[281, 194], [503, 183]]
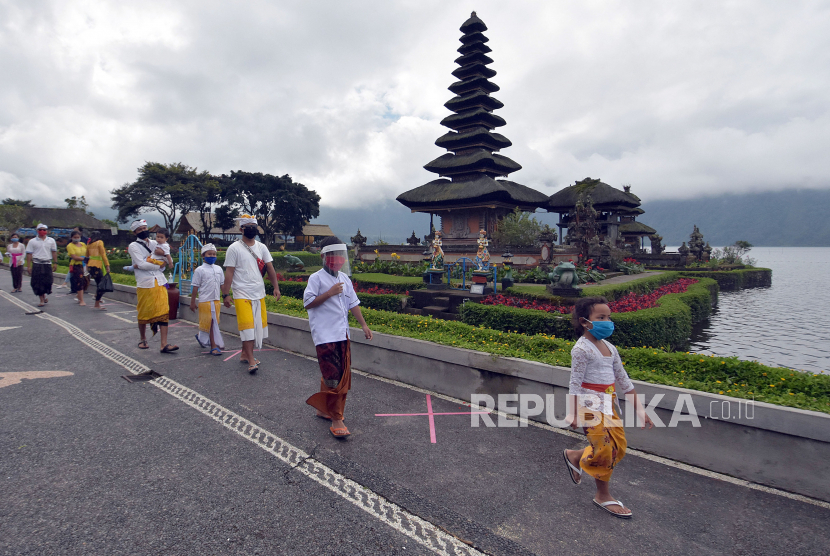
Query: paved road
[[92, 464]]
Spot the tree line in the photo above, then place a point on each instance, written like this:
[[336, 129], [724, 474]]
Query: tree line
[[279, 204]]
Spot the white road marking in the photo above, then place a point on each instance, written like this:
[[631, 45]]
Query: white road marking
[[4, 328], [420, 530], [115, 316]]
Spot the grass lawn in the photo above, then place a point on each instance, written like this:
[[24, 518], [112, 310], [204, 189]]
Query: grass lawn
[[388, 278]]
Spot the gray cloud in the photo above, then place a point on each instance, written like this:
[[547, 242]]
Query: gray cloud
[[680, 100]]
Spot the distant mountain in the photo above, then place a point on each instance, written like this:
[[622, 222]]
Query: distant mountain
[[792, 218]]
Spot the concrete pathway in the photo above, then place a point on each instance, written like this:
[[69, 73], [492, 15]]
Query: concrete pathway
[[211, 460]]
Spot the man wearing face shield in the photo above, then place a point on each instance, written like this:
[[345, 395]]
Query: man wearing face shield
[[329, 297]]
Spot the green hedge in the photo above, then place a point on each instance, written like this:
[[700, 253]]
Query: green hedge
[[611, 292], [382, 302], [732, 280], [669, 324], [400, 284]]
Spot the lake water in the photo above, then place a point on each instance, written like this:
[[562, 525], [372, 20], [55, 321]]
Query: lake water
[[787, 324]]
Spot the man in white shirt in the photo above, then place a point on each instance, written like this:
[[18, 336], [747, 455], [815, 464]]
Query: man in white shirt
[[41, 262], [153, 304], [244, 261], [329, 297]]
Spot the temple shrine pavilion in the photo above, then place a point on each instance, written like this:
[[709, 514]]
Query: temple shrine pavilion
[[475, 195], [616, 211]]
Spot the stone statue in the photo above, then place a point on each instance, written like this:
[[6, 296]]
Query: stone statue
[[564, 276], [656, 244], [428, 238], [482, 259], [437, 253], [358, 241], [413, 239], [696, 245], [295, 263]]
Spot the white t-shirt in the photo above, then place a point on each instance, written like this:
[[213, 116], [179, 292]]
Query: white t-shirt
[[41, 249], [209, 279], [147, 275], [247, 281], [162, 258], [329, 322]]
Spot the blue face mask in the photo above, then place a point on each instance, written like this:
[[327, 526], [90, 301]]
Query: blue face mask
[[602, 329], [210, 260], [15, 240]]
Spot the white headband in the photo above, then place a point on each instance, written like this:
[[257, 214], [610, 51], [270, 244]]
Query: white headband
[[137, 224], [335, 247], [208, 247], [244, 219]]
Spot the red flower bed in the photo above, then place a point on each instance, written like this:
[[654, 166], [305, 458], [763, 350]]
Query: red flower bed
[[374, 289], [626, 304]]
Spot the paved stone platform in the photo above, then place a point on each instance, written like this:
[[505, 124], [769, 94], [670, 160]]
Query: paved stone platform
[[92, 464]]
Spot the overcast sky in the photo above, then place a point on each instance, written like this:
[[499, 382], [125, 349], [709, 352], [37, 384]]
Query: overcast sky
[[679, 99]]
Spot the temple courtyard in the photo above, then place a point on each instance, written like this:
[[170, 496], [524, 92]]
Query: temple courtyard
[[208, 459]]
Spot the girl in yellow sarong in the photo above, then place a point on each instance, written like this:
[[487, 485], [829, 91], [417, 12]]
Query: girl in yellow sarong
[[596, 374]]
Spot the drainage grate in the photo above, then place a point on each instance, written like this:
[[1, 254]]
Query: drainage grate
[[143, 377]]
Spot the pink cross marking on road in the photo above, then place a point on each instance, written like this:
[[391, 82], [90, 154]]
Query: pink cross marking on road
[[235, 352], [431, 414]]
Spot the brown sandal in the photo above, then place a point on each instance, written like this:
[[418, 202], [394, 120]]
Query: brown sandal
[[169, 349], [143, 345], [340, 432]]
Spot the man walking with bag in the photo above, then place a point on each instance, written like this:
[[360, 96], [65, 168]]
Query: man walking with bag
[[246, 262]]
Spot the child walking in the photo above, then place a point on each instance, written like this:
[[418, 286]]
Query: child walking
[[329, 297], [207, 285], [597, 376]]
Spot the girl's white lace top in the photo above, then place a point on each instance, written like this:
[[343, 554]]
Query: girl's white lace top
[[589, 365]]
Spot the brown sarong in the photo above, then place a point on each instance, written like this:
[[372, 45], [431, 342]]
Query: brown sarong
[[335, 359]]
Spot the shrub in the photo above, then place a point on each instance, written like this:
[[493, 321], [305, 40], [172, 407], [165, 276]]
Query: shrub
[[669, 324], [732, 280], [382, 302]]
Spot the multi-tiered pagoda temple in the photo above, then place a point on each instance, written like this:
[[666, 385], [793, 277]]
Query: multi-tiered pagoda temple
[[472, 198]]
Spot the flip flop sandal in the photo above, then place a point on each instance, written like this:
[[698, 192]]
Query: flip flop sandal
[[216, 351], [326, 417], [252, 369], [143, 345], [604, 506], [572, 468], [340, 432], [169, 349], [200, 341]]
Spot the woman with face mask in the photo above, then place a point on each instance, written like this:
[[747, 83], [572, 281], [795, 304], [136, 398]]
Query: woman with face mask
[[77, 254], [42, 261], [16, 252]]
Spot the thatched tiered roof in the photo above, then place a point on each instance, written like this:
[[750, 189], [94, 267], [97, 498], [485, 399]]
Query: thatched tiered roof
[[472, 164], [603, 196]]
